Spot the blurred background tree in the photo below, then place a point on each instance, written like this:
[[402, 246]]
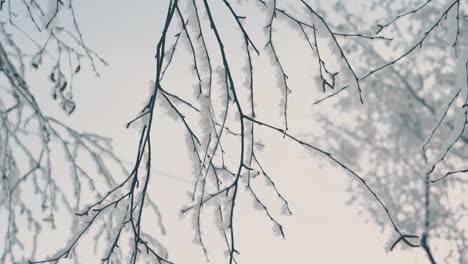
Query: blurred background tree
[[409, 137]]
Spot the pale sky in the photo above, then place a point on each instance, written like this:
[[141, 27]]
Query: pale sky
[[322, 229]]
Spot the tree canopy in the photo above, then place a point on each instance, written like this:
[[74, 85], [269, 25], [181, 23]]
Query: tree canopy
[[378, 89]]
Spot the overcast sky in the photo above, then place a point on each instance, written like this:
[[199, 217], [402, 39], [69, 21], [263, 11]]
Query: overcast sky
[[322, 229]]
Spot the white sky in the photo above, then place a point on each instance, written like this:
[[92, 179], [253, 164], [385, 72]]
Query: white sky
[[322, 229]]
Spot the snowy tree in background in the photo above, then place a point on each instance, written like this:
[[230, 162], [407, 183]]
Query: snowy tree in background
[[392, 92], [410, 134]]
